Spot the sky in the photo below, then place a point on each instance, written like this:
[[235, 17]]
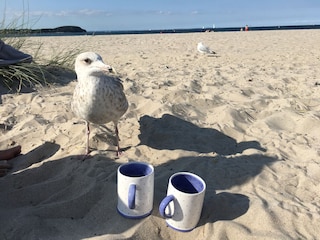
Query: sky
[[104, 15]]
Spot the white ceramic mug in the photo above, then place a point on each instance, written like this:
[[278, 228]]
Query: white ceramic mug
[[135, 188], [183, 204]]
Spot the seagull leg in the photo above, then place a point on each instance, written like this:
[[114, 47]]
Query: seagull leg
[[87, 153], [117, 139], [88, 134]]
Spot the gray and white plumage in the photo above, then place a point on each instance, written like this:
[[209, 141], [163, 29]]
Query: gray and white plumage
[[204, 49], [98, 97]]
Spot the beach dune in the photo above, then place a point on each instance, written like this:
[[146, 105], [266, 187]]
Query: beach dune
[[247, 120]]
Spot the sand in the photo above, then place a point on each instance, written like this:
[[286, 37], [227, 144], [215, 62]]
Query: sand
[[247, 120]]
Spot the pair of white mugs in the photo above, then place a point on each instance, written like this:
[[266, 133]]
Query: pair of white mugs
[[181, 207]]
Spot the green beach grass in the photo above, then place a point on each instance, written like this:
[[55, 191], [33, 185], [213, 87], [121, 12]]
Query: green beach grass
[[40, 71]]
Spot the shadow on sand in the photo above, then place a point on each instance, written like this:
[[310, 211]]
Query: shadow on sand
[[77, 199], [170, 132]]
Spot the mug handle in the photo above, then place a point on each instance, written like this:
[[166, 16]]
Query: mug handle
[[163, 205], [132, 196]]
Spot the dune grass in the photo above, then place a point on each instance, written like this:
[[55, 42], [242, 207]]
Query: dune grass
[[40, 71]]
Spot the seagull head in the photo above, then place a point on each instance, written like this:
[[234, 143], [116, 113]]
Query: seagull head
[[90, 63]]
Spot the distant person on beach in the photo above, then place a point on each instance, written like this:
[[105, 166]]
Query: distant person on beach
[[6, 155], [246, 28]]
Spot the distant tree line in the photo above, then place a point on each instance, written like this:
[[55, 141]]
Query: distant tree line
[[63, 29]]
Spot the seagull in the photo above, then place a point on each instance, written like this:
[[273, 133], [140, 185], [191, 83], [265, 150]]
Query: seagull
[[98, 97], [204, 49]]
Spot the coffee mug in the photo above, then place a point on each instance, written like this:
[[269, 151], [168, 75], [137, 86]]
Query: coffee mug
[[135, 189], [183, 204]]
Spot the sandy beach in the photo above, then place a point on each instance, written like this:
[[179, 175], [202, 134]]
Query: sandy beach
[[247, 120]]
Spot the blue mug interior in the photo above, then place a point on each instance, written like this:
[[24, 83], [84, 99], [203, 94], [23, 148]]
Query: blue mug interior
[[187, 183], [135, 170]]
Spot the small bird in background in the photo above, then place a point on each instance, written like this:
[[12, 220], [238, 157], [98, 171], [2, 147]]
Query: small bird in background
[[98, 97], [204, 49]]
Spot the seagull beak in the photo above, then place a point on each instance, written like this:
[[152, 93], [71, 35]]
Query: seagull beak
[[112, 70], [104, 67], [107, 68]]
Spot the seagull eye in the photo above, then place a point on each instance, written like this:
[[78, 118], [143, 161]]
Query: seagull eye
[[87, 60]]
